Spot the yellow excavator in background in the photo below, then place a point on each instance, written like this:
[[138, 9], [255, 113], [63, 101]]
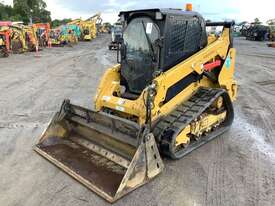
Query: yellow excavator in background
[[23, 38], [93, 21], [56, 38], [31, 39], [18, 41], [89, 30], [171, 93], [105, 28], [87, 27], [4, 41], [42, 31]]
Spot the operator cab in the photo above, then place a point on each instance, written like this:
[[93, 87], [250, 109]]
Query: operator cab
[[155, 40]]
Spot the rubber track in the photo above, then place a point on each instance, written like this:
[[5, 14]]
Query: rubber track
[[171, 125]]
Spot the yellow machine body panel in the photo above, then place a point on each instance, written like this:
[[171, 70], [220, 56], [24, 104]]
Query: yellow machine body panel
[[110, 83]]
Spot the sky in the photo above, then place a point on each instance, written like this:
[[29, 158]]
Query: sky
[[239, 10]]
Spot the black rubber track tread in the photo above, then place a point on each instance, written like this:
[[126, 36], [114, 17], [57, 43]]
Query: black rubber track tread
[[167, 129]]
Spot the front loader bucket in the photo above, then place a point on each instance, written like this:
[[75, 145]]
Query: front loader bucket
[[110, 155]]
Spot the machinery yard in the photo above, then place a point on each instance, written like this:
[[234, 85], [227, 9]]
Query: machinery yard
[[237, 168]]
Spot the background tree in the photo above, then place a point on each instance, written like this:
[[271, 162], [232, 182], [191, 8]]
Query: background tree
[[271, 22], [257, 21], [6, 12], [25, 10], [57, 22], [22, 9], [38, 11]]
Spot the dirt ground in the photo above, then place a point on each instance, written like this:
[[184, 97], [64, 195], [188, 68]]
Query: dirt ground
[[236, 169]]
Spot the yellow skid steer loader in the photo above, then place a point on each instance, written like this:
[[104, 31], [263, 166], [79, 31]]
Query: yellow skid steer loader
[[171, 92]]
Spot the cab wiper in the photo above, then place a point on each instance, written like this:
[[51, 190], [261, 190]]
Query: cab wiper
[[151, 48]]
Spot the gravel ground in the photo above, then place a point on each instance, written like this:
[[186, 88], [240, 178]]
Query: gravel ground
[[236, 169]]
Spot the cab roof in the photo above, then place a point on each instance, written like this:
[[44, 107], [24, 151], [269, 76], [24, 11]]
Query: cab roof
[[164, 11]]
